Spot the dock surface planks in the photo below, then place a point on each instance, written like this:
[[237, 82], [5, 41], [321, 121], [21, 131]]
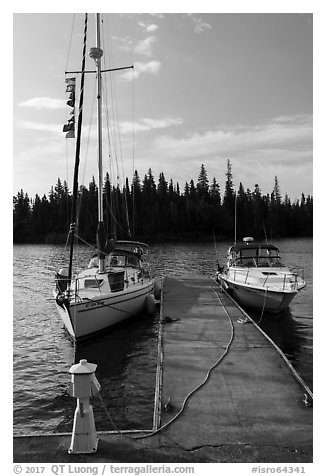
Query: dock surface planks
[[251, 396]]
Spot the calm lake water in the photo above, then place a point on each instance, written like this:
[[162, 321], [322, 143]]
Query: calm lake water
[[126, 356]]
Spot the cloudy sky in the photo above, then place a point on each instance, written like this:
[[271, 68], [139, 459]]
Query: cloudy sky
[[205, 87]]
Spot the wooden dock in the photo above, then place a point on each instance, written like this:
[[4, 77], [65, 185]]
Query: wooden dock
[[224, 392], [251, 397]]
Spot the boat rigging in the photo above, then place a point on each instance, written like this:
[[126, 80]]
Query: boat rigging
[[118, 282]]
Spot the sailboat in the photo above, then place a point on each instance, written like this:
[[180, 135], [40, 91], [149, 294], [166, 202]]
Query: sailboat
[[118, 282]]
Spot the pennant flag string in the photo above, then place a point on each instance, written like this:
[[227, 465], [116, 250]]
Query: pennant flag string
[[70, 126]]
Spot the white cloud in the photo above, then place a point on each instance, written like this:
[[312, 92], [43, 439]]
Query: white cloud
[[145, 47], [151, 67], [148, 124], [258, 152], [125, 44], [275, 135], [44, 103], [152, 27], [40, 126], [148, 28], [157, 15], [199, 24]]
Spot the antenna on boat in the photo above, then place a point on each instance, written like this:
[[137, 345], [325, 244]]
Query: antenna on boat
[[265, 232], [235, 217]]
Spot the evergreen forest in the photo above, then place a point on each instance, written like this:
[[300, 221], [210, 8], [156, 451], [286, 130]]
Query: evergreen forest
[[150, 211]]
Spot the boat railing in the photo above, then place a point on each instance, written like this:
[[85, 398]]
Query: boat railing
[[299, 275], [247, 275], [136, 277], [61, 282], [89, 282], [92, 281], [299, 272], [147, 270], [293, 279]]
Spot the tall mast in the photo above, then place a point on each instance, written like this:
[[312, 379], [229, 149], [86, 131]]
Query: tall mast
[[77, 156], [96, 53]]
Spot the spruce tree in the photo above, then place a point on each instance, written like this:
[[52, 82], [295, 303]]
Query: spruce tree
[[202, 183], [229, 194]]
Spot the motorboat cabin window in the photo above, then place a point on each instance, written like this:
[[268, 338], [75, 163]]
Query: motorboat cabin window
[[263, 258], [267, 257], [248, 257], [244, 257], [254, 256], [275, 259]]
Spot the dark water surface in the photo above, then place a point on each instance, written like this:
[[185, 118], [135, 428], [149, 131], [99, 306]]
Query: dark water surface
[[126, 356]]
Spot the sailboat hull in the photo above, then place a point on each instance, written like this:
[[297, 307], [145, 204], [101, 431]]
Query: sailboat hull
[[88, 317]]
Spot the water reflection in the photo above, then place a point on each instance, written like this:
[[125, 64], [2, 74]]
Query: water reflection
[[290, 334], [126, 371]]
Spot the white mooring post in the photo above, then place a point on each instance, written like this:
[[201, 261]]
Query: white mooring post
[[83, 385]]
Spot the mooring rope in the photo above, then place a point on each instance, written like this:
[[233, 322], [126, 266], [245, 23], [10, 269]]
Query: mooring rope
[[309, 394], [263, 309], [190, 394]]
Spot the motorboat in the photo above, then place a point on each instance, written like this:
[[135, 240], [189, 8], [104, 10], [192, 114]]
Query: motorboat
[[256, 277]]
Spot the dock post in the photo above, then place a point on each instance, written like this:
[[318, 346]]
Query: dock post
[[83, 385]]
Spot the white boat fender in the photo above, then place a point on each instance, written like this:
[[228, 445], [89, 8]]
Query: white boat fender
[[62, 280], [150, 304], [157, 291], [63, 272]]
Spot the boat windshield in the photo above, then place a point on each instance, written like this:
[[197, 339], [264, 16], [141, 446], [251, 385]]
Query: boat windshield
[[256, 257], [268, 258], [122, 259]]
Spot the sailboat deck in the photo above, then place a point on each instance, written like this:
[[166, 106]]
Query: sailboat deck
[[230, 392], [91, 284]]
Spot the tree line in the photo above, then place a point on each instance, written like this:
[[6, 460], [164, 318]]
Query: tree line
[[150, 211]]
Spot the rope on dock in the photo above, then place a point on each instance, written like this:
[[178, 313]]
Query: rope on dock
[[263, 309], [308, 397], [190, 394]]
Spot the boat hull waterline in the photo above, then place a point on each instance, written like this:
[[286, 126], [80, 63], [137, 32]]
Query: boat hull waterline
[[272, 301], [88, 317]]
